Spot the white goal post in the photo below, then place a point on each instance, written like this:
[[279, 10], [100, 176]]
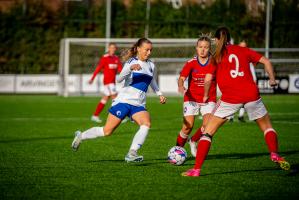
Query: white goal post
[[77, 53]]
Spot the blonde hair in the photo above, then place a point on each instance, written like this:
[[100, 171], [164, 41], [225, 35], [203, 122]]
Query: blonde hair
[[129, 53]]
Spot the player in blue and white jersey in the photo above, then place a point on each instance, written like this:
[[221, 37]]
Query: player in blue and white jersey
[[137, 74]]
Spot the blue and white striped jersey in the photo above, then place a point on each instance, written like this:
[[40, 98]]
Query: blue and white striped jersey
[[136, 83]]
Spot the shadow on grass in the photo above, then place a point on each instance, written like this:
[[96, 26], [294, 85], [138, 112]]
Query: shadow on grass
[[247, 155], [35, 139]]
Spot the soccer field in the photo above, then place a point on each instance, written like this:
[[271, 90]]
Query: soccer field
[[36, 160]]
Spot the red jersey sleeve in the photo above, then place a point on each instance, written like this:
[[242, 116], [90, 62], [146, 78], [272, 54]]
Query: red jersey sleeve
[[253, 56], [186, 70], [99, 67]]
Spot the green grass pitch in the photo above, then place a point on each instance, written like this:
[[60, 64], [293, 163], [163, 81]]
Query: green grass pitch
[[36, 161]]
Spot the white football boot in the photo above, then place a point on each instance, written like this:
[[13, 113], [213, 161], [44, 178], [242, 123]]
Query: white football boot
[[193, 147], [132, 156], [77, 141]]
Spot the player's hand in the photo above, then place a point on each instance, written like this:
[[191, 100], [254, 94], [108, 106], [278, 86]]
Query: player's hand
[[181, 89], [272, 83], [205, 99], [162, 99], [135, 67], [90, 81]]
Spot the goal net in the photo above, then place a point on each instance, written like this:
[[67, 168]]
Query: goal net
[[79, 57]]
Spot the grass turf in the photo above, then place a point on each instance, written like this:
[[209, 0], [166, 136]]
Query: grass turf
[[36, 161]]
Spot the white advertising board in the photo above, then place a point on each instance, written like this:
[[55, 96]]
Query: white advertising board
[[7, 83], [294, 83], [37, 83]]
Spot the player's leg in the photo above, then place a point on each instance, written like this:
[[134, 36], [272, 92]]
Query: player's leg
[[219, 117], [190, 109], [205, 111], [188, 122], [99, 108], [257, 111], [204, 145], [112, 123], [142, 118], [115, 116], [241, 114]]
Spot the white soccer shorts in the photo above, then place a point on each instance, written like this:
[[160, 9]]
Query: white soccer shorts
[[193, 108], [255, 109], [110, 89]]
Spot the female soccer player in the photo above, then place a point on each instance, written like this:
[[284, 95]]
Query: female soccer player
[[111, 65], [235, 81], [138, 74], [195, 70]]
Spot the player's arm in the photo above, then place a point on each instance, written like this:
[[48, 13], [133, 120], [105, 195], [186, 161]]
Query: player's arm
[[269, 69], [183, 76], [126, 71], [181, 87], [207, 86], [97, 70], [156, 89]]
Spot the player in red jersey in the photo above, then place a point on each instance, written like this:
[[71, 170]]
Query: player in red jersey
[[235, 81], [195, 70], [110, 64]]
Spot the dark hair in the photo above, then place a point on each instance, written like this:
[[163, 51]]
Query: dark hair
[[223, 35], [133, 50]]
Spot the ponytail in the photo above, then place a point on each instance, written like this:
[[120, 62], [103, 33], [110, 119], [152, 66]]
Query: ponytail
[[223, 35], [131, 52]]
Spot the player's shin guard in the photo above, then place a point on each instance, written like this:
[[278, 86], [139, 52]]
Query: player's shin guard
[[139, 138], [202, 150], [197, 134], [100, 107], [271, 140], [93, 133], [181, 139]]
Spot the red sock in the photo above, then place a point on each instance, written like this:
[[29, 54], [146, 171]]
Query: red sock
[[271, 140], [202, 150], [181, 139], [197, 134], [99, 108]]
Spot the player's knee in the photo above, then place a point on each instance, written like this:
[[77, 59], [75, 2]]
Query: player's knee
[[148, 124], [187, 128], [107, 132]]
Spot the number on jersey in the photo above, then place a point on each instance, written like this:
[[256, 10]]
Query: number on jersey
[[235, 73]]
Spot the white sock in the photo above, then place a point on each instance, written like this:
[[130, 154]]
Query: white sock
[[139, 138], [92, 133], [241, 112]]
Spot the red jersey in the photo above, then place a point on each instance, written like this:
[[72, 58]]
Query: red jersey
[[233, 75], [196, 72], [110, 66]]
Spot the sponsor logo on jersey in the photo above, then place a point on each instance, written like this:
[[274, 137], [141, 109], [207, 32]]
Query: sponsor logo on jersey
[[112, 66]]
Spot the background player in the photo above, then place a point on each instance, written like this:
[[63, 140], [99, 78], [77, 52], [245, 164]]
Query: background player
[[235, 81], [110, 64], [252, 69], [138, 74], [195, 70]]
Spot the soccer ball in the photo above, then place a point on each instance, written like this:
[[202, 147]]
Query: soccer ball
[[177, 155]]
